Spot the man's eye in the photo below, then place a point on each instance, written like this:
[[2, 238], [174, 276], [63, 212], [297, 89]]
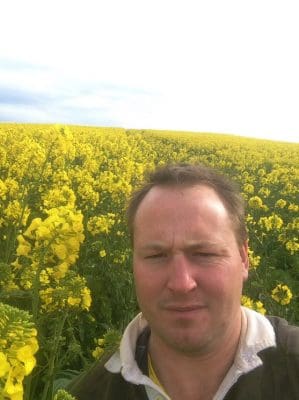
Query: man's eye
[[157, 255], [205, 254]]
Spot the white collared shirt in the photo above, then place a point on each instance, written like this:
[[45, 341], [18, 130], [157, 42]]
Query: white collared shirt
[[257, 334]]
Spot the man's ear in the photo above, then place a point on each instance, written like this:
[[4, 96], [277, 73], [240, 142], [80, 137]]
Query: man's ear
[[244, 259]]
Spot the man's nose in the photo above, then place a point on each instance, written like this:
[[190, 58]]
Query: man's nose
[[180, 277]]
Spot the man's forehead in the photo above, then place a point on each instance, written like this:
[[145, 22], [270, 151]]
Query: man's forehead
[[180, 190], [164, 197]]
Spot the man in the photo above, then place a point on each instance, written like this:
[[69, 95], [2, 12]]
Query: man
[[193, 340]]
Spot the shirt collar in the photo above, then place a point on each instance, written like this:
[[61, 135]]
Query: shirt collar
[[257, 334]]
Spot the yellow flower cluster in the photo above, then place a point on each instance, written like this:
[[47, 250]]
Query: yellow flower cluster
[[108, 342], [282, 294], [101, 224], [254, 261], [60, 196], [12, 208], [71, 293], [274, 222], [99, 350], [18, 345], [254, 305], [256, 202], [49, 247]]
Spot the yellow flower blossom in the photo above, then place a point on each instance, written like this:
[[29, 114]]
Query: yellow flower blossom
[[264, 192], [102, 253], [255, 202], [292, 246], [60, 250], [101, 224], [17, 348], [73, 301], [254, 305], [248, 188], [24, 246], [15, 212], [293, 207], [97, 352], [3, 190], [282, 294], [254, 261], [274, 222], [86, 298], [281, 203], [25, 355], [4, 365]]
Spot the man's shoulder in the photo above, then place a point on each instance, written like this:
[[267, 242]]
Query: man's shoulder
[[99, 383], [89, 382], [287, 335]]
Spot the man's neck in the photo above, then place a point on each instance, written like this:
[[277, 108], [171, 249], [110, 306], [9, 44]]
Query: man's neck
[[194, 377]]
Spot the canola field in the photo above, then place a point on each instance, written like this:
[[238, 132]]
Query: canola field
[[66, 289]]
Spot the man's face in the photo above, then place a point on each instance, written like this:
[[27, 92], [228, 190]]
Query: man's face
[[188, 268]]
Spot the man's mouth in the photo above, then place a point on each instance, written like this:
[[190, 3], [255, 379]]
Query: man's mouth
[[184, 308]]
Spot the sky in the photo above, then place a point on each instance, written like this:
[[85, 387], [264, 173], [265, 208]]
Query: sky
[[205, 66]]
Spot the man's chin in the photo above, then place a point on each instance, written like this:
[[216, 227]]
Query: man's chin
[[190, 342]]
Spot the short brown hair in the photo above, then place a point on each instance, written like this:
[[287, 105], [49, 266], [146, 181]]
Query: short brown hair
[[190, 175]]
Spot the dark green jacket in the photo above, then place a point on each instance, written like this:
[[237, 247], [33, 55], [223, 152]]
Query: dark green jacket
[[276, 379]]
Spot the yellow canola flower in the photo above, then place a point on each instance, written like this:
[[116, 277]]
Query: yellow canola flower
[[259, 307], [25, 355], [274, 222], [255, 202], [246, 301], [254, 305], [101, 224], [97, 352], [292, 246], [13, 389], [248, 188], [102, 253], [86, 298], [71, 293], [265, 192], [17, 348], [62, 196], [254, 261], [24, 247], [281, 203], [12, 187], [88, 196], [44, 277], [4, 365], [43, 233], [3, 190], [60, 250], [282, 294], [54, 241], [60, 271], [30, 231], [73, 301], [16, 213], [293, 207]]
